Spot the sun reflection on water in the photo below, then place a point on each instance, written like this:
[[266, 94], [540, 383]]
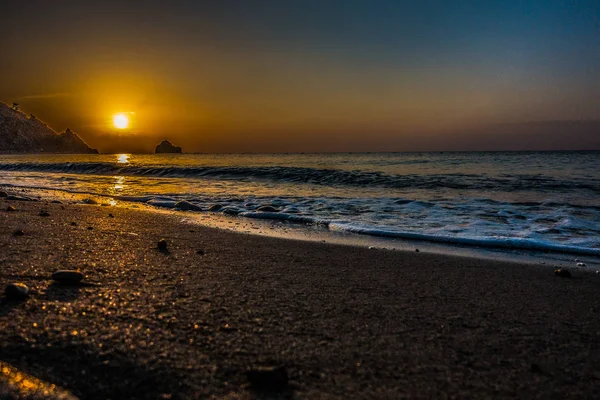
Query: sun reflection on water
[[123, 158]]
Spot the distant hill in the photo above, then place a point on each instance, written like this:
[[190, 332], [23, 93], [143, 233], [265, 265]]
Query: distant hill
[[20, 133]]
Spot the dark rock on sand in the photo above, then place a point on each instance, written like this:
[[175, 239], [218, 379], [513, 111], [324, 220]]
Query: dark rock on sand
[[44, 214], [10, 208], [215, 207], [16, 291], [167, 147], [201, 252], [110, 216], [18, 232], [67, 277], [268, 379], [187, 206], [73, 223], [416, 250], [90, 201], [562, 273], [90, 228], [162, 245], [267, 209], [3, 194]]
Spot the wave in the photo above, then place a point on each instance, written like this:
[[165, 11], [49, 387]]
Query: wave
[[318, 176], [498, 243]]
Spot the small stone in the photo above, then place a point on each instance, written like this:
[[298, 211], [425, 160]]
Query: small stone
[[215, 207], [90, 228], [56, 202], [67, 277], [10, 208], [90, 201], [416, 250], [372, 248], [73, 223], [110, 216], [268, 379], [200, 252], [3, 194], [581, 264], [267, 209], [18, 232], [44, 214], [536, 369], [162, 245], [563, 273], [16, 291]]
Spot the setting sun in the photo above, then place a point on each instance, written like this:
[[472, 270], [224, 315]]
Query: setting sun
[[120, 121]]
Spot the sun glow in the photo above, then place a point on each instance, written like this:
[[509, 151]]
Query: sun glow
[[120, 121]]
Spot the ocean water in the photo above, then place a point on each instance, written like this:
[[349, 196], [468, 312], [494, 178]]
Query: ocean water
[[521, 200]]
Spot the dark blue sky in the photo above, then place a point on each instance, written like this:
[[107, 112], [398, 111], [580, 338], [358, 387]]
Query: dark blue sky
[[313, 75]]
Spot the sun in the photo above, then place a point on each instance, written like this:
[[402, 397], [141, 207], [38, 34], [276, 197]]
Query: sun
[[120, 121]]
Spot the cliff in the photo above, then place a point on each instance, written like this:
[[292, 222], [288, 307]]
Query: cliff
[[166, 147], [22, 134]]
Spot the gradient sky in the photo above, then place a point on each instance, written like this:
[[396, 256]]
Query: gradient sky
[[270, 76]]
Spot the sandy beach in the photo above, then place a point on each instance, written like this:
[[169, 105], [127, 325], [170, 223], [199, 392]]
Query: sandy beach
[[343, 321]]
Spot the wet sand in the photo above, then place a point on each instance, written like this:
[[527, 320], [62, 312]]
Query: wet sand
[[345, 322]]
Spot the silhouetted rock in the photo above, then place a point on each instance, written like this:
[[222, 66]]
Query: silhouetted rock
[[22, 134], [166, 147]]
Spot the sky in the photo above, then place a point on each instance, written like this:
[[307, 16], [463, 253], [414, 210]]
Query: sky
[[312, 75]]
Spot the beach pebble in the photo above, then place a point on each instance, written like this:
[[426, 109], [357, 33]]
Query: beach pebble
[[267, 209], [268, 379], [67, 277], [200, 252], [110, 216], [215, 207], [416, 250], [44, 214], [581, 264], [187, 206], [18, 232], [90, 201], [162, 245], [73, 223], [16, 291], [10, 208], [90, 228], [56, 202], [562, 273]]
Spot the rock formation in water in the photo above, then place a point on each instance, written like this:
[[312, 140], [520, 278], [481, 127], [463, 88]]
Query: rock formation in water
[[22, 134], [166, 147]]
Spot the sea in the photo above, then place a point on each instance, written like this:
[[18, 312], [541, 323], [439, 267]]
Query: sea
[[540, 201]]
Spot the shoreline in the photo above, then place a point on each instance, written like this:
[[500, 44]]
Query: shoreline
[[342, 320], [315, 233]]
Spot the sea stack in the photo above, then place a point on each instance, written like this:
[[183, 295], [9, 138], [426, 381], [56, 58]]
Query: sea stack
[[167, 147]]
